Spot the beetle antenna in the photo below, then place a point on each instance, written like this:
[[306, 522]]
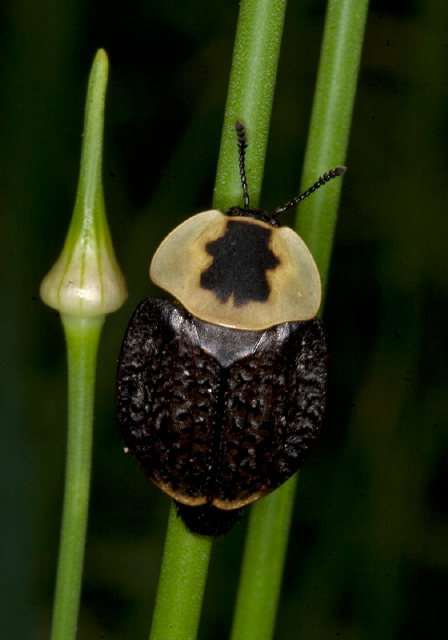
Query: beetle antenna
[[242, 144], [333, 173]]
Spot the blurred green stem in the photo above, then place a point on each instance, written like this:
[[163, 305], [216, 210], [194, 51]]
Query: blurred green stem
[[327, 144]]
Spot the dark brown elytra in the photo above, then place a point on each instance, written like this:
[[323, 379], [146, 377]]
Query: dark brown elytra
[[202, 429], [219, 417]]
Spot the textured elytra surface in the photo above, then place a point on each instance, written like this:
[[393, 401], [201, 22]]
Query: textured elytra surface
[[209, 434]]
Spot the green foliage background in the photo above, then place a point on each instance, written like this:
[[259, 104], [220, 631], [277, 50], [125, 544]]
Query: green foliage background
[[368, 550]]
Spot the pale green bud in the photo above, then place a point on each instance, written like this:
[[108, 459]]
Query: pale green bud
[[86, 280]]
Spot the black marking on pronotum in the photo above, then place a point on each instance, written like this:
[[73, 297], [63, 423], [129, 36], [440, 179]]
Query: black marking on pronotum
[[220, 396], [234, 269]]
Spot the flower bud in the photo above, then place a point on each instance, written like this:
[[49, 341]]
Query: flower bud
[[86, 280]]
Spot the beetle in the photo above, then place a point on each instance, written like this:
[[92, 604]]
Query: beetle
[[220, 395]]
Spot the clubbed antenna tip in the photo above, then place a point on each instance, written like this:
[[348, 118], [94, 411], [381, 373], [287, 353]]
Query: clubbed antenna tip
[[333, 173], [241, 133]]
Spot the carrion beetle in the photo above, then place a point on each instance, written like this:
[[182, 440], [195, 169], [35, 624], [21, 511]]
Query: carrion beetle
[[220, 395]]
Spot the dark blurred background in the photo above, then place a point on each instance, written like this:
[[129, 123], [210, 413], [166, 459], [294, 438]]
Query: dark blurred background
[[368, 550]]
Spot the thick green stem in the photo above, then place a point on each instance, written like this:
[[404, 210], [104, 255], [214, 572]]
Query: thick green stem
[[250, 97], [329, 131], [262, 570], [181, 584], [82, 338], [327, 143], [251, 92]]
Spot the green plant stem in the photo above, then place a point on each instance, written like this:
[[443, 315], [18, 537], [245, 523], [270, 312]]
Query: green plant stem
[[327, 143], [250, 96], [82, 338], [262, 570], [83, 284], [182, 582], [329, 130]]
